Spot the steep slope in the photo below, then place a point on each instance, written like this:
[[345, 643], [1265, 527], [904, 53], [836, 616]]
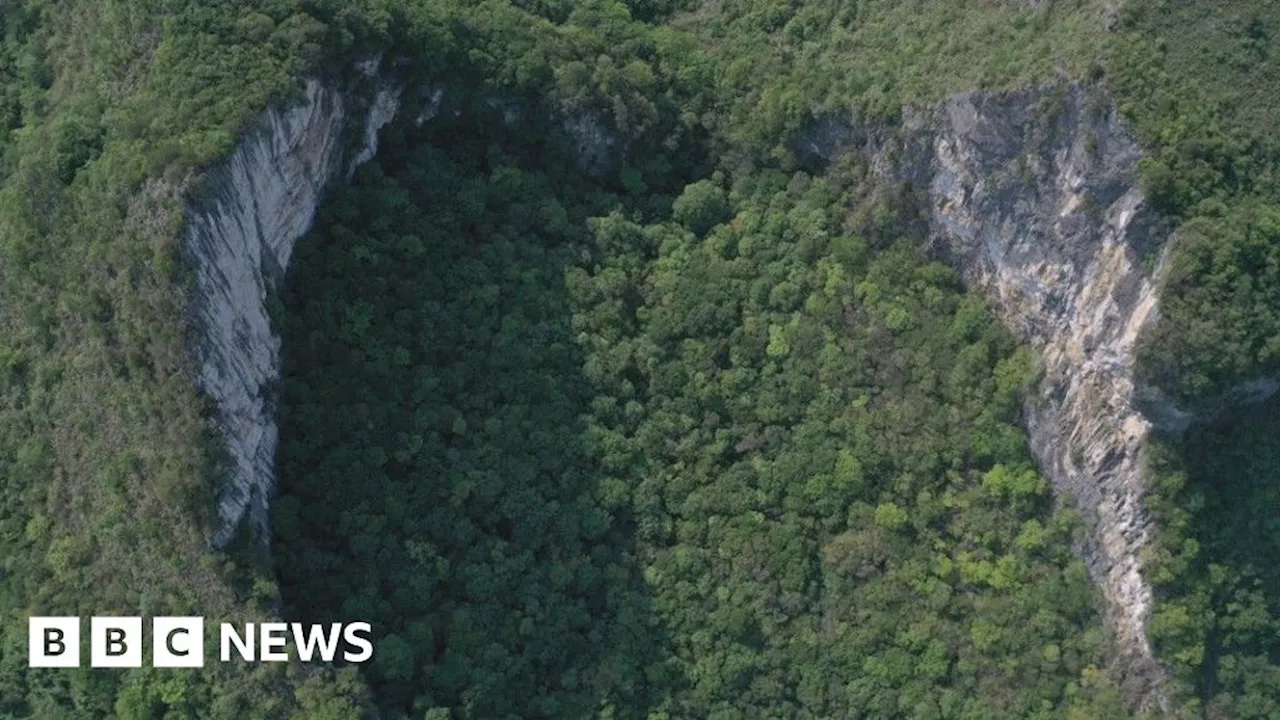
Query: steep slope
[[1033, 196], [239, 237], [518, 448], [1039, 207], [241, 227]]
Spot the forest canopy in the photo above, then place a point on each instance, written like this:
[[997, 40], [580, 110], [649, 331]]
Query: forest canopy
[[702, 432], [691, 468]]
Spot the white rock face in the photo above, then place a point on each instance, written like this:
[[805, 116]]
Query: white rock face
[[239, 237], [1034, 196], [385, 105]]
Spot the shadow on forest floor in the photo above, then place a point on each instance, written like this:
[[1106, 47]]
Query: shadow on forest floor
[[1230, 588], [435, 475]]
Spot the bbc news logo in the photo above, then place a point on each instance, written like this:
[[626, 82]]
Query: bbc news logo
[[178, 642]]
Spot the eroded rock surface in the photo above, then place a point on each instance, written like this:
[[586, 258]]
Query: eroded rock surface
[[1033, 195], [238, 238], [240, 233]]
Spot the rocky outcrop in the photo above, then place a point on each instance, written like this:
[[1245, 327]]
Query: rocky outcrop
[[595, 145], [1033, 196], [241, 227]]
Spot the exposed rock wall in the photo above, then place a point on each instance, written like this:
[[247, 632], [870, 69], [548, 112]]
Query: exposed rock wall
[[240, 233], [238, 238], [1033, 196], [1040, 208]]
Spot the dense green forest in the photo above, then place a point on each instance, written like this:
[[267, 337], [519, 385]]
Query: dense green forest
[[685, 468], [701, 436], [1218, 629]]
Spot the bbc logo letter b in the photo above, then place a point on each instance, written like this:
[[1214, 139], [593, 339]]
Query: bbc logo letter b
[[115, 642], [53, 642]]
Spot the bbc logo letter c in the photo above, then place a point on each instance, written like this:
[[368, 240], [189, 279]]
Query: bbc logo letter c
[[177, 642]]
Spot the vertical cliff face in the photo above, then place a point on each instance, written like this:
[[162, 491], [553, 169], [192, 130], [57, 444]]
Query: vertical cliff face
[[240, 233], [239, 236], [1033, 195]]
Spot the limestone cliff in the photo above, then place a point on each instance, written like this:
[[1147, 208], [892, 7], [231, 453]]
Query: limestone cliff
[[1033, 196], [240, 231]]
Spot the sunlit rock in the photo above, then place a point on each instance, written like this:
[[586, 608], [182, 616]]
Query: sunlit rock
[[1033, 195], [240, 233]]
